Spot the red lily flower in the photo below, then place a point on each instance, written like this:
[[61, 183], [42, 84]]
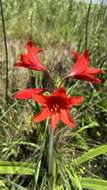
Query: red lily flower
[[27, 93], [81, 69], [57, 106], [30, 59]]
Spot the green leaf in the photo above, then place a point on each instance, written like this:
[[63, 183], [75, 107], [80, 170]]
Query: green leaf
[[73, 177], [16, 168], [90, 155], [93, 184]]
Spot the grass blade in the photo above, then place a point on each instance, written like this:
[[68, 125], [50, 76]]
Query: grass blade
[[11, 168], [93, 184], [90, 155]]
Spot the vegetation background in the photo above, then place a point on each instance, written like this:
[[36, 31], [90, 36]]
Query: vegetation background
[[58, 27]]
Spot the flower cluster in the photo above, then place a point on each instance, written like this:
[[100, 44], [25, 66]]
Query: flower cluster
[[57, 105]]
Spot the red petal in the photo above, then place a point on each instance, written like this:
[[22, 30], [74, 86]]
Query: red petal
[[65, 117], [19, 64], [38, 62], [29, 43], [95, 71], [76, 54], [54, 120], [33, 57], [42, 115], [76, 100], [97, 81], [86, 54], [31, 47], [88, 77], [27, 93], [81, 64], [59, 91], [41, 99], [32, 61]]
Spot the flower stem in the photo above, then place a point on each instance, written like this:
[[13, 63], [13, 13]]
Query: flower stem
[[6, 51], [50, 158], [37, 169]]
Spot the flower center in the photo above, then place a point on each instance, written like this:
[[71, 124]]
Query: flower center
[[56, 104], [56, 108]]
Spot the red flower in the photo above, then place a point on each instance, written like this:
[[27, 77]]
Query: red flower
[[81, 69], [27, 93], [57, 106], [30, 59]]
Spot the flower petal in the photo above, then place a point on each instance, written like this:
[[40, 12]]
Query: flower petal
[[33, 55], [76, 100], [89, 77], [19, 64], [35, 60], [65, 117], [91, 70], [97, 81], [54, 119], [76, 54], [59, 91], [31, 60], [81, 63], [30, 47], [86, 54], [42, 115], [41, 99], [27, 93]]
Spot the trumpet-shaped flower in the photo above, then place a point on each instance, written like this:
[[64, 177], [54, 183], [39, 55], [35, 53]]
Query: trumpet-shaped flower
[[81, 69], [30, 59], [56, 106]]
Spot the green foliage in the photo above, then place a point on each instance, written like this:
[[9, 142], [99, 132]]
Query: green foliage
[[90, 155], [11, 168], [93, 184]]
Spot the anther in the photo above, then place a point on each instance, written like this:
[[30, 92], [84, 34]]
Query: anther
[[55, 108], [51, 110]]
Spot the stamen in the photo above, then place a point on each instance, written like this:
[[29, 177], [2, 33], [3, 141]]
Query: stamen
[[56, 109], [51, 110], [57, 105]]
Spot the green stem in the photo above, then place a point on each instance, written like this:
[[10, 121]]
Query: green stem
[[50, 158], [37, 169], [6, 51]]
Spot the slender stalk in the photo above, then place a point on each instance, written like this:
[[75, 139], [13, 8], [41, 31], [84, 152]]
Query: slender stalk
[[6, 51], [37, 170], [87, 23], [50, 158]]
